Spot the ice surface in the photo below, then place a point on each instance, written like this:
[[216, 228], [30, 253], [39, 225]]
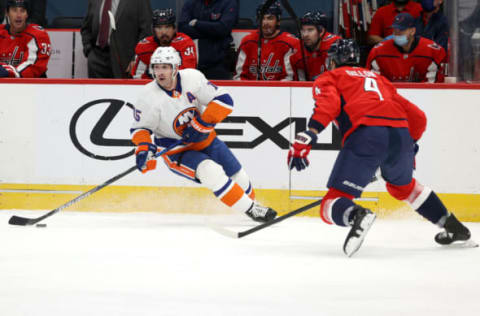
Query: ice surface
[[153, 264]]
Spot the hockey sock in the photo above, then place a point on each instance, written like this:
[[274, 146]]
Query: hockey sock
[[422, 199], [337, 208], [242, 179], [233, 195], [212, 176], [342, 213], [433, 209]]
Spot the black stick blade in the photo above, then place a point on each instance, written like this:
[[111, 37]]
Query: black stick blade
[[21, 221]]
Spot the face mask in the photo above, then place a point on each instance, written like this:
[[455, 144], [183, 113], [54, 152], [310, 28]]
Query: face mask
[[427, 5], [400, 40]]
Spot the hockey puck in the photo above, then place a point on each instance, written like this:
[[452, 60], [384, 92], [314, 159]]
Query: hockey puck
[[41, 225]]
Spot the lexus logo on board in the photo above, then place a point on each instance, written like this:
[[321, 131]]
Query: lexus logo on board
[[97, 135]]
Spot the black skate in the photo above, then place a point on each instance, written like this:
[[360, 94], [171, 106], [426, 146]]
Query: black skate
[[261, 213], [454, 231], [361, 223]]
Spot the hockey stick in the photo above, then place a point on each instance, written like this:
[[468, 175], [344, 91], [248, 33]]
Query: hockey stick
[[244, 233], [24, 221], [292, 14]]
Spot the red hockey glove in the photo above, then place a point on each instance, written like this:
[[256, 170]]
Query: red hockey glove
[[197, 130], [297, 155], [146, 157]]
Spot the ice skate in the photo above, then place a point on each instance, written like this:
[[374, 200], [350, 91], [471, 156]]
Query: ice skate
[[361, 223], [261, 213], [454, 231]]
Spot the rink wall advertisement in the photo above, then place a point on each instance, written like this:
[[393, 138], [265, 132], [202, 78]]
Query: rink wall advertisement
[[60, 139]]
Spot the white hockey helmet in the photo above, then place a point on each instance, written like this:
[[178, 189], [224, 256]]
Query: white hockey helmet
[[165, 55]]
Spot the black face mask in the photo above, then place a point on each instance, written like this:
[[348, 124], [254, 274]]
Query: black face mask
[[400, 2]]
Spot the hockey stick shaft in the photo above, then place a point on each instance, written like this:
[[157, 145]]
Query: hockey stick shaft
[[24, 221], [279, 219], [252, 230]]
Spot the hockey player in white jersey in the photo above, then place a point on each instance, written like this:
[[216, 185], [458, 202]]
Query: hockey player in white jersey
[[183, 104]]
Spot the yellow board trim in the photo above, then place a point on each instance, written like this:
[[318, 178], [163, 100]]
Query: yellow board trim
[[201, 201]]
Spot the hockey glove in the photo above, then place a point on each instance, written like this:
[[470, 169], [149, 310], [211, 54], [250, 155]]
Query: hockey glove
[[197, 131], [297, 155], [8, 71], [146, 157]]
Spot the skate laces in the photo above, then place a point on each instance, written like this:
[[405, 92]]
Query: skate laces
[[258, 210]]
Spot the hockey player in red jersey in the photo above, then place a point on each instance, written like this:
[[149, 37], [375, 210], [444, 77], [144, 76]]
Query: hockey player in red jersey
[[24, 47], [316, 42], [407, 57], [164, 34], [274, 47], [380, 129]]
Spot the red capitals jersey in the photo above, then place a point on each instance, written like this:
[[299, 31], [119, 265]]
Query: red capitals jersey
[[424, 62], [315, 60], [145, 48], [275, 57], [354, 96], [28, 52]]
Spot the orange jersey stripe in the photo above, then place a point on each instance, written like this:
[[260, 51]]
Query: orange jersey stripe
[[215, 113], [233, 195], [179, 168], [195, 146]]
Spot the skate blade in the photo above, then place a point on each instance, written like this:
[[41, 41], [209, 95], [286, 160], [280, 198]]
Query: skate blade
[[355, 243], [462, 244]]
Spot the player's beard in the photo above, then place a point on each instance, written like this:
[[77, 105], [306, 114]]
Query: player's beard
[[311, 47], [165, 40]]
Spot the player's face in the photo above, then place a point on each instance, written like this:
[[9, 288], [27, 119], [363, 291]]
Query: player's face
[[310, 36], [164, 75], [269, 25], [18, 19], [164, 33], [409, 33]]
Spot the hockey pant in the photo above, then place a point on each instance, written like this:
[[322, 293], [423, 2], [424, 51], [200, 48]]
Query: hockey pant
[[218, 169], [366, 150]]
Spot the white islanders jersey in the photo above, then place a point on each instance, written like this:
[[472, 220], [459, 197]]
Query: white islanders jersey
[[165, 114]]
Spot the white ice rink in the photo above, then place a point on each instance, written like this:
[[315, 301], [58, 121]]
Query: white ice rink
[[151, 264]]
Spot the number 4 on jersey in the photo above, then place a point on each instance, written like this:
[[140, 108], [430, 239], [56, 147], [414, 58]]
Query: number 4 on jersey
[[371, 85]]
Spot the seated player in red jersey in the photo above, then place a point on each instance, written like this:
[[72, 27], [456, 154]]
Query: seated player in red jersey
[[380, 129], [24, 47], [407, 57], [379, 29], [274, 47], [164, 34], [316, 42]]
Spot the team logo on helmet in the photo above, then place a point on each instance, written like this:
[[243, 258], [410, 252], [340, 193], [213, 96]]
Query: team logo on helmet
[[163, 17]]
